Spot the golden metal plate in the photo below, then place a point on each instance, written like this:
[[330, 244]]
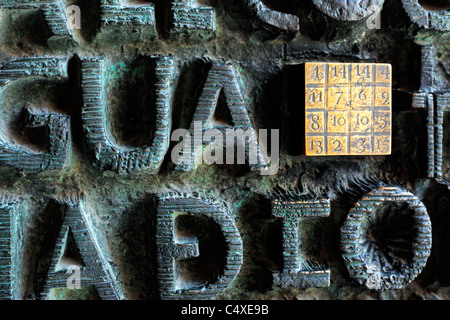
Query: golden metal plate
[[348, 109]]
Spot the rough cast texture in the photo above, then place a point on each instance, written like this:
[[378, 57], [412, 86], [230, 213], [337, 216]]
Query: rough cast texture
[[266, 51]]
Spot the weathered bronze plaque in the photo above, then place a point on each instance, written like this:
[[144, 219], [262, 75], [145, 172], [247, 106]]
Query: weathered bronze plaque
[[155, 150], [348, 109]]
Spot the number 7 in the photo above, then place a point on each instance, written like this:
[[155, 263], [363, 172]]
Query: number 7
[[340, 96]]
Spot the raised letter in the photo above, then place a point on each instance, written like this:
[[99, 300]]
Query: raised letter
[[428, 19], [222, 77], [277, 19], [6, 278], [13, 153], [54, 12], [76, 262], [386, 239], [185, 16], [297, 271], [109, 154], [172, 248], [120, 12]]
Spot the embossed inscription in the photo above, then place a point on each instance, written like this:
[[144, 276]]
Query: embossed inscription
[[109, 155], [54, 12], [97, 203], [348, 109], [12, 151], [297, 270], [378, 254], [172, 248], [277, 19], [436, 19], [75, 250]]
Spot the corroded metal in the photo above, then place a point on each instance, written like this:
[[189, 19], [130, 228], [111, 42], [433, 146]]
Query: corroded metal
[[75, 247], [121, 12], [15, 154], [436, 19], [348, 9], [109, 154], [139, 225], [6, 277], [277, 19], [30, 221], [222, 77], [299, 271], [348, 109], [54, 12], [172, 248], [427, 81], [33, 67], [379, 254], [186, 16], [436, 105], [435, 99]]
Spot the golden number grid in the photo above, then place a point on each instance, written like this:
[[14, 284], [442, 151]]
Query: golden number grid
[[348, 109]]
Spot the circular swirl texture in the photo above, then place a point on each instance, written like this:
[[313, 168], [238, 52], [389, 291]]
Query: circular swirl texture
[[386, 238]]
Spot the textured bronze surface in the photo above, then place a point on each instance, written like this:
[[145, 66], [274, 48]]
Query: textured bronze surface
[[348, 10], [348, 109], [392, 265], [341, 193]]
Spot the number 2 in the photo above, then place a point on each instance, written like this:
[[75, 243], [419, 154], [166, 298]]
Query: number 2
[[338, 147], [385, 96]]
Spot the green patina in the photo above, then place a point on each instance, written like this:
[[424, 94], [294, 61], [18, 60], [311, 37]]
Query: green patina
[[117, 70], [63, 293], [83, 175]]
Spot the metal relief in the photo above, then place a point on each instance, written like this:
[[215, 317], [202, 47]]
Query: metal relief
[[376, 252], [424, 17], [172, 247], [437, 105], [54, 12], [110, 155], [280, 20], [75, 261], [348, 10], [433, 96], [13, 151], [6, 286], [185, 16], [348, 109], [87, 212], [298, 270], [221, 79], [123, 12]]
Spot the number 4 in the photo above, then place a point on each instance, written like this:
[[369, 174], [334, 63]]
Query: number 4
[[385, 72]]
